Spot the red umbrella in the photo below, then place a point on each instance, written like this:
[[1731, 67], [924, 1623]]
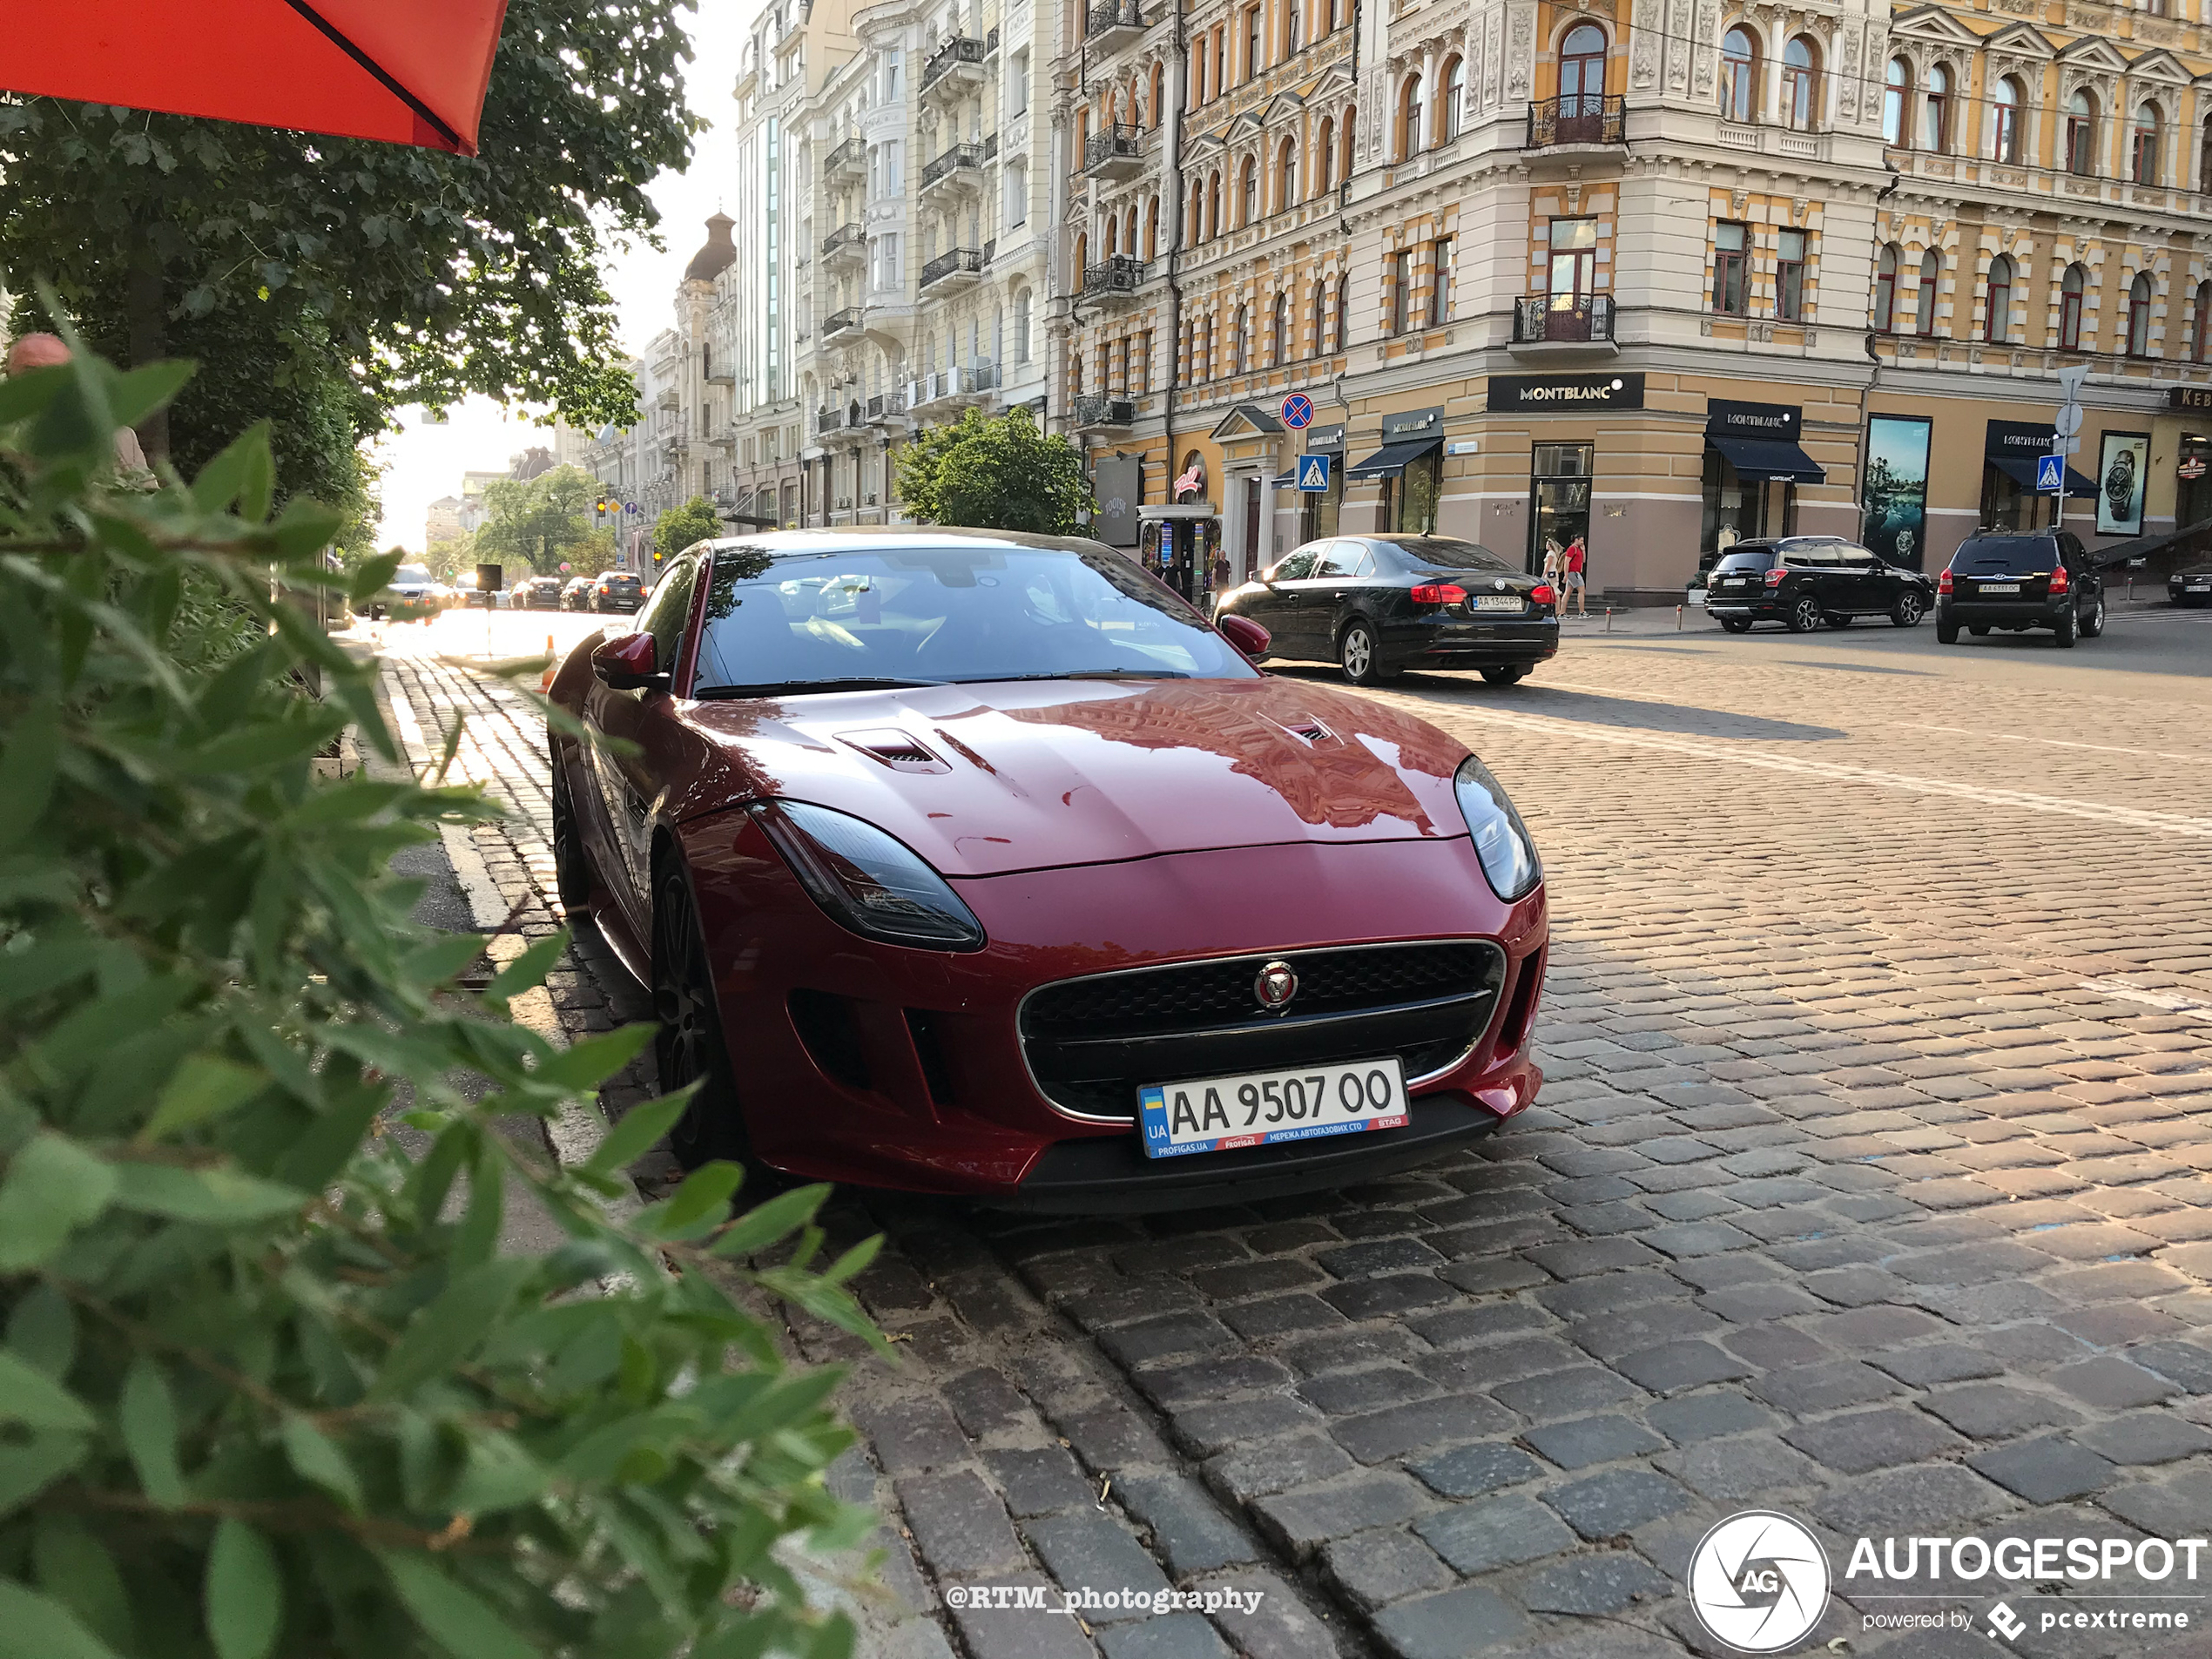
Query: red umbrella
[[406, 72]]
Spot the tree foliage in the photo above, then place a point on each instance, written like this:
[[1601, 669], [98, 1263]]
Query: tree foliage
[[268, 1386], [997, 473], [539, 523], [679, 527]]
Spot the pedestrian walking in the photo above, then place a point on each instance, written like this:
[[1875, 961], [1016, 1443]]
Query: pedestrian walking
[[50, 351], [1577, 589], [1551, 560]]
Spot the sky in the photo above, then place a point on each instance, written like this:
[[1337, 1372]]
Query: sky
[[421, 461]]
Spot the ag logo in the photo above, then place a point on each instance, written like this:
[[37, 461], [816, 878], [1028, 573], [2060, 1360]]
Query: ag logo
[[1759, 1581]]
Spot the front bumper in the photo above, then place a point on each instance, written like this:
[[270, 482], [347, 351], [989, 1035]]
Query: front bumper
[[910, 1071]]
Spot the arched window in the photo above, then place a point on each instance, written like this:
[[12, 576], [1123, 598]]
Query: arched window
[[1128, 233], [1285, 175], [2198, 333], [2149, 140], [1321, 314], [1293, 27], [1324, 156], [1885, 290], [1895, 82], [1409, 117], [1021, 325], [1935, 124], [1197, 213], [2006, 98], [1997, 310], [1247, 192], [1739, 74], [1581, 72], [1082, 258], [1924, 303], [1801, 85], [1213, 205], [1240, 343], [1152, 228], [1347, 124], [2204, 158], [1279, 332], [1113, 236], [2082, 134], [1159, 102], [1193, 463], [1453, 82], [2139, 315], [1198, 72], [2071, 289], [1342, 334]]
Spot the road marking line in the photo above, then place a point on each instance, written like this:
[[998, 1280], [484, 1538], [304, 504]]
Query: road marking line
[[2095, 812], [2055, 743], [2168, 1001]]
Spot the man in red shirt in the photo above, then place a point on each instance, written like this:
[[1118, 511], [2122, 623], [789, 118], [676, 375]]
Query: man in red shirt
[[1576, 590]]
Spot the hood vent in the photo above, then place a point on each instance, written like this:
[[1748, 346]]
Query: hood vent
[[1308, 730], [894, 749]]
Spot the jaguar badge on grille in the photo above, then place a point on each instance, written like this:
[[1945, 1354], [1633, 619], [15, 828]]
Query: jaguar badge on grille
[[1276, 986]]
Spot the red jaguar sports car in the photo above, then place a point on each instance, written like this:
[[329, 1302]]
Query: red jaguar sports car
[[975, 863]]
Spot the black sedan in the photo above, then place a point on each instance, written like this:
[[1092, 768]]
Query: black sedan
[[1803, 581], [2190, 587], [539, 593], [1377, 605]]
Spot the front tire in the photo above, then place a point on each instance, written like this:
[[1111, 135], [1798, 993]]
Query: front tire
[[2068, 631], [572, 873], [1804, 615], [1358, 655], [1907, 611], [689, 1047], [2093, 624], [1505, 674]]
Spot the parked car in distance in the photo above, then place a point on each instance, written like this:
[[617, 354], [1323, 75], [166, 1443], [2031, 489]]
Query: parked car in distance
[[539, 593], [1804, 581], [576, 594], [1377, 605], [2021, 579], [617, 590], [411, 595], [2192, 586], [482, 598]]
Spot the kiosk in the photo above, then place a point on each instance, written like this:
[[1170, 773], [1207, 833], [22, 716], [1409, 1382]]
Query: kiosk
[[1178, 545]]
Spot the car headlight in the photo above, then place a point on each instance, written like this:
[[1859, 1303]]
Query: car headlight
[[1501, 838], [868, 881]]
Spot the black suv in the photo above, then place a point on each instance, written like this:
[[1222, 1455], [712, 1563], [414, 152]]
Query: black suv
[[2018, 580], [1803, 581]]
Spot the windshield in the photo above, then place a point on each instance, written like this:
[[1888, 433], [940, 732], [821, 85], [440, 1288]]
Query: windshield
[[1449, 553], [2004, 556], [413, 576], [923, 615]]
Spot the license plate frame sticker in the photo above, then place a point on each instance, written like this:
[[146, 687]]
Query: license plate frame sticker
[[1497, 601], [1217, 1115]]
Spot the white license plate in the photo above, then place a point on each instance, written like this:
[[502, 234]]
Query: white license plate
[[2000, 587], [1736, 581], [2199, 587], [1217, 1114], [1696, 595], [1497, 601]]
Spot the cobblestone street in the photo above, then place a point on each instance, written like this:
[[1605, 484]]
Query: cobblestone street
[[1871, 1184]]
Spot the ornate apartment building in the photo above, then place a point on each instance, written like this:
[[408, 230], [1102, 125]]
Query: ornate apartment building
[[1660, 274]]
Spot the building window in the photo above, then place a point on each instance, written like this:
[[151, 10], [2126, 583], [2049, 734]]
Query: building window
[[2008, 120], [1240, 356], [2197, 332], [2150, 139], [1321, 314], [1789, 276], [1409, 118], [1885, 290], [1325, 155], [1198, 72], [1345, 125], [1925, 302], [1728, 286], [1455, 85], [1285, 176], [1997, 309], [1898, 77], [1293, 27], [2071, 289], [1152, 228], [1247, 192], [2139, 315], [1279, 332], [1581, 73], [1935, 127], [2082, 134], [1440, 301], [892, 71], [1401, 291], [1017, 194], [1801, 85], [1254, 51], [1343, 312], [1739, 76], [1144, 365]]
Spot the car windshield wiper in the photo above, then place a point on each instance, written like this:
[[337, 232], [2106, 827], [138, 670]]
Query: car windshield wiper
[[787, 688], [1084, 674]]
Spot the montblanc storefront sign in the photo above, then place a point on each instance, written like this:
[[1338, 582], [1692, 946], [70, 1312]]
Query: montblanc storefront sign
[[1563, 393], [1775, 423]]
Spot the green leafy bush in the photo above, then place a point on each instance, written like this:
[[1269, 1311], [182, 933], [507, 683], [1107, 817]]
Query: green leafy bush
[[267, 1384]]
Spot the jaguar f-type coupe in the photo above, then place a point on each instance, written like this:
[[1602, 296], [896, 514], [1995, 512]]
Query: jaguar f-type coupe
[[976, 863]]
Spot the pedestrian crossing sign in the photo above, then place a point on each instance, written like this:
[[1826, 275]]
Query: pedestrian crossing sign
[[1313, 472], [2050, 472]]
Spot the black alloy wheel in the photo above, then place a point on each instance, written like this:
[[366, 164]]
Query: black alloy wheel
[[1506, 673], [1907, 611], [572, 873], [1358, 655], [2093, 624], [1804, 615], [1736, 625], [689, 1048]]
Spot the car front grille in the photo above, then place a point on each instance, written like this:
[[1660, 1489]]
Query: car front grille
[[1092, 1043]]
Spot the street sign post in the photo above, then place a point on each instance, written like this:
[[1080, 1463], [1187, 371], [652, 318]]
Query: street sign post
[[2065, 438], [1297, 411], [1313, 474], [2050, 472]]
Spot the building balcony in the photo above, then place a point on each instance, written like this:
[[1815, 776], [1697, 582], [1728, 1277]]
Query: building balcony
[[950, 272], [721, 371], [1117, 153], [839, 325], [848, 159], [670, 398], [1095, 413], [1113, 282], [954, 69], [1112, 24], [887, 409], [959, 170], [951, 388], [1585, 120], [846, 244], [1562, 324], [829, 421]]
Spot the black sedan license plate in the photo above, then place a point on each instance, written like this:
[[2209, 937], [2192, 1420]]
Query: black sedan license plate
[[1217, 1114]]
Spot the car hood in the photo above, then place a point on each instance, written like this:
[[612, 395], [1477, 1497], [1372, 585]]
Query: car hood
[[985, 780]]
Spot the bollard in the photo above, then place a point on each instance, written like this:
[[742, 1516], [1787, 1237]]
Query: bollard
[[1677, 618], [549, 644], [1609, 619], [2131, 590]]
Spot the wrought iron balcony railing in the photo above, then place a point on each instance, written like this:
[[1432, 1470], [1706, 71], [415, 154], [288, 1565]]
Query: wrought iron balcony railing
[[956, 157], [1096, 409], [959, 50], [1119, 144], [1588, 117], [961, 261], [1117, 274], [1562, 318]]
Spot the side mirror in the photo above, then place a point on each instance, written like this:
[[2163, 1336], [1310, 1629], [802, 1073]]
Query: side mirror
[[1247, 636], [629, 663]]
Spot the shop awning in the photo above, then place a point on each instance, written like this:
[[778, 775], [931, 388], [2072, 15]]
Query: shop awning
[[2021, 470], [1768, 460], [1390, 460]]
